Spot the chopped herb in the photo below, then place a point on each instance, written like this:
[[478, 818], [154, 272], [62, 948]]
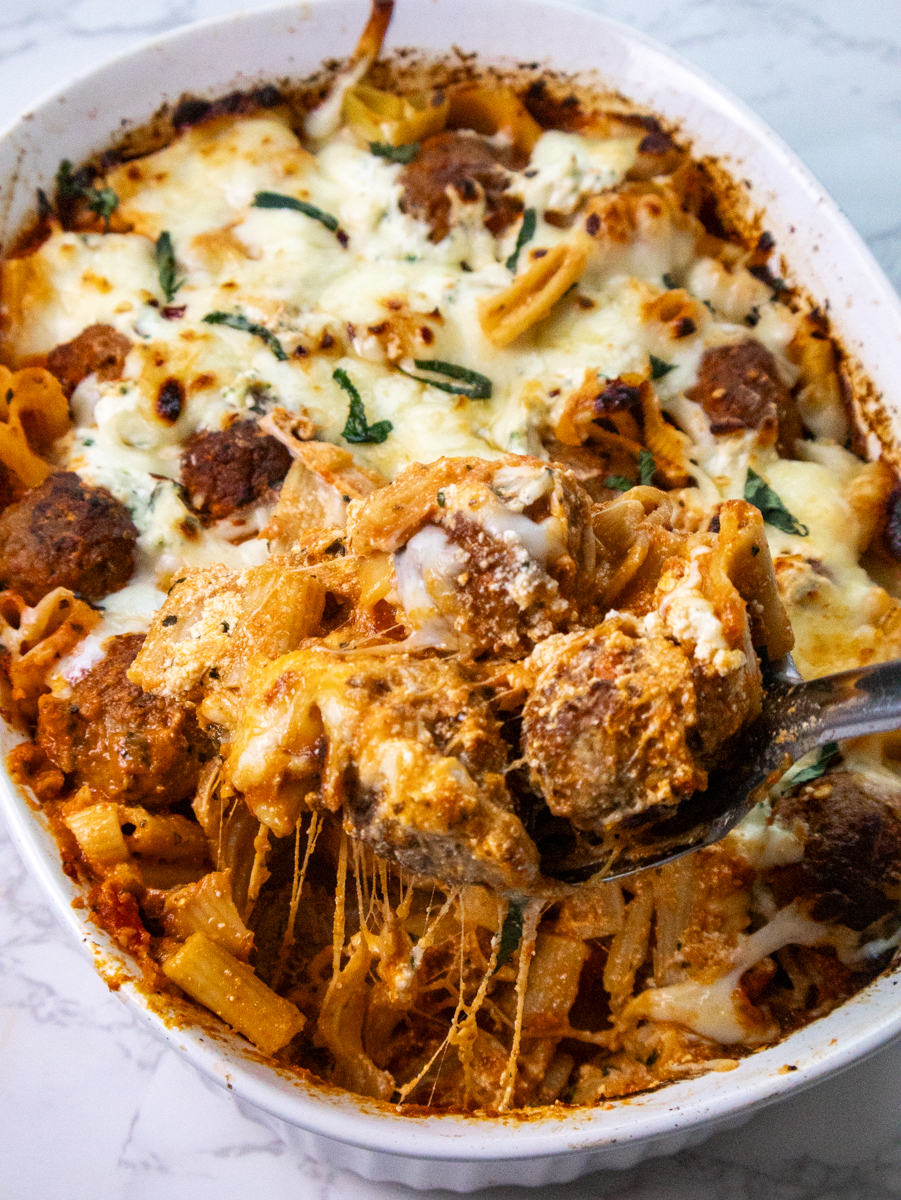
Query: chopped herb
[[473, 385], [668, 281], [646, 469], [88, 442], [440, 499], [239, 321], [825, 758], [213, 673], [755, 550], [45, 208], [709, 306], [526, 233], [104, 203], [759, 493], [753, 317], [67, 183], [659, 368], [225, 627], [511, 933], [72, 186], [276, 200], [166, 266], [398, 154], [357, 429], [170, 620]]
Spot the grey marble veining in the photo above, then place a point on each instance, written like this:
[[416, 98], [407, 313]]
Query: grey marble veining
[[91, 1106]]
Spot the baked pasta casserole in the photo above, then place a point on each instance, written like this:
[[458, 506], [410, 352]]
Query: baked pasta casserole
[[403, 471]]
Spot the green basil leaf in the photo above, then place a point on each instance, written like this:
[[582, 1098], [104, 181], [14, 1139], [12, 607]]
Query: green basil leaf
[[472, 384], [511, 933], [397, 154], [166, 266], [66, 184], [526, 233], [659, 368], [669, 282], [620, 482], [759, 493], [102, 201], [357, 429], [646, 467], [239, 321], [825, 758], [276, 200]]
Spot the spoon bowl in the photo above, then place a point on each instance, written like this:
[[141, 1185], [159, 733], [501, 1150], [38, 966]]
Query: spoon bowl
[[796, 717]]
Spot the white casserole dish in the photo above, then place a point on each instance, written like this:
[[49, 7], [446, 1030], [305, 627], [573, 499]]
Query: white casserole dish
[[823, 254]]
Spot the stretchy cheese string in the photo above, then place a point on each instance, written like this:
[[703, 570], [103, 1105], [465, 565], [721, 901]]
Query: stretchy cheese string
[[296, 889], [338, 926], [259, 874], [530, 919]]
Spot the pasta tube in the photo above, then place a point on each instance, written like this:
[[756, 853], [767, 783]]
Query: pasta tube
[[532, 295], [215, 978], [207, 907], [99, 834], [377, 116], [33, 400], [494, 110]]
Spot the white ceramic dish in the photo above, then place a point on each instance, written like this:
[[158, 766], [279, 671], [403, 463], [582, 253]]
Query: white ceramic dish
[[823, 254]]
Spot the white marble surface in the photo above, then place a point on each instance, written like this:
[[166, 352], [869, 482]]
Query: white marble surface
[[90, 1105]]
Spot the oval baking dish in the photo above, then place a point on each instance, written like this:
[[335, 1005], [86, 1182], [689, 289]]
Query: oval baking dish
[[824, 257]]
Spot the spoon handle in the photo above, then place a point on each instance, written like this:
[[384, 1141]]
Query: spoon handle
[[852, 703]]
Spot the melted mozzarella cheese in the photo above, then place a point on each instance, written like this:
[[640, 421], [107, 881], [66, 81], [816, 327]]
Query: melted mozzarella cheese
[[285, 270], [714, 1010], [565, 167], [686, 615]]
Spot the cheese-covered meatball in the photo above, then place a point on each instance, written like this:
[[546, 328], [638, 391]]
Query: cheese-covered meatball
[[124, 743], [487, 556], [225, 470], [66, 533], [609, 726]]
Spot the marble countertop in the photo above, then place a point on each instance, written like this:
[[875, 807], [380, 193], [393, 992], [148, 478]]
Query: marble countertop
[[91, 1106]]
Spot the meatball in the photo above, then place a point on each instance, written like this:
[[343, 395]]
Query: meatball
[[125, 744], [488, 555], [224, 470], [99, 350], [609, 726], [66, 533], [739, 388], [469, 165], [852, 849]]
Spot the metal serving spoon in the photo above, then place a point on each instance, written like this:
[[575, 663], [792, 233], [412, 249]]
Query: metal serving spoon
[[796, 718]]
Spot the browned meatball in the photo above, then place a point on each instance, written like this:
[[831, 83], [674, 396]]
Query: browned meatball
[[469, 165], [224, 470], [852, 849], [608, 726], [122, 742], [99, 350], [739, 388], [66, 533]]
